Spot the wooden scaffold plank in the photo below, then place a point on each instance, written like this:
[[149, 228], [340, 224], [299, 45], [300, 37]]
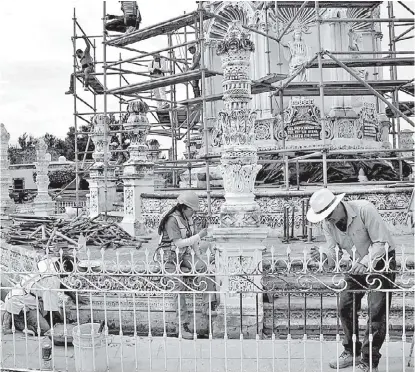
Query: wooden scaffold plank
[[367, 62], [159, 29]]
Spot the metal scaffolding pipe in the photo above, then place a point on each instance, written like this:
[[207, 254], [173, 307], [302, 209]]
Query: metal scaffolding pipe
[[361, 52], [351, 72], [152, 53], [399, 37], [406, 7], [297, 13], [203, 113], [321, 85], [75, 118], [367, 20]]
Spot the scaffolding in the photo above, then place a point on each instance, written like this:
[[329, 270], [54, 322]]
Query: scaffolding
[[186, 116]]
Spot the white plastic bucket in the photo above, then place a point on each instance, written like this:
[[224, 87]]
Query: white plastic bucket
[[90, 350]]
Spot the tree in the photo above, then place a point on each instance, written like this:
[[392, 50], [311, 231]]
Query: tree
[[82, 141], [26, 141], [56, 143]]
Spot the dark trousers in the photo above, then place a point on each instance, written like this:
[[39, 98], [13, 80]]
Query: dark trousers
[[196, 89], [84, 73], [357, 287], [118, 24]]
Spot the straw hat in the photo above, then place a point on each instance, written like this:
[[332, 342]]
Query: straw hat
[[322, 203], [190, 199]]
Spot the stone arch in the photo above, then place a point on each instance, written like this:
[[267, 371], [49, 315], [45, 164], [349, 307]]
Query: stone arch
[[234, 11]]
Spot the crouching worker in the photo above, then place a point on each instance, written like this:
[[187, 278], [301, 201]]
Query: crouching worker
[[177, 232], [355, 227], [35, 301]]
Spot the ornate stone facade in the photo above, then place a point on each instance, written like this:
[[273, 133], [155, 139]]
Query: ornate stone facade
[[392, 205], [138, 173], [43, 204], [7, 204], [101, 186]]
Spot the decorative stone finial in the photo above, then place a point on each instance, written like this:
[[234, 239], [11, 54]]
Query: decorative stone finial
[[137, 107], [4, 134]]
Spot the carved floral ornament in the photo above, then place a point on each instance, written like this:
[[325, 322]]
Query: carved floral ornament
[[235, 40], [263, 14]]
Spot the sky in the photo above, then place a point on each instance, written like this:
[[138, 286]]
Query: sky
[[37, 56]]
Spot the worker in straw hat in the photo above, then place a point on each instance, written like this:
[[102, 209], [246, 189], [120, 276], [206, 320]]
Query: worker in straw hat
[[178, 240], [356, 227]]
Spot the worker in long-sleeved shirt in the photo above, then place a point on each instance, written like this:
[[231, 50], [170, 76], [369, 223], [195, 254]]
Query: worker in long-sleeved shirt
[[180, 247], [157, 69], [357, 228], [87, 66]]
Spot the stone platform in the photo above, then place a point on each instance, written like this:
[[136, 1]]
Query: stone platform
[[171, 354]]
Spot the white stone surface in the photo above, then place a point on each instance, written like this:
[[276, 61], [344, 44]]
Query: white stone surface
[[6, 205], [43, 203]]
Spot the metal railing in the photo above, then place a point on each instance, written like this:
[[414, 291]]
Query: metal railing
[[280, 313]]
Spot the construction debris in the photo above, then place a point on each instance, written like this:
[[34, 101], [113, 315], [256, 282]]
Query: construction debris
[[55, 233]]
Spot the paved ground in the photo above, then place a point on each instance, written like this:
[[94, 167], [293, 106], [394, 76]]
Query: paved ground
[[170, 354]]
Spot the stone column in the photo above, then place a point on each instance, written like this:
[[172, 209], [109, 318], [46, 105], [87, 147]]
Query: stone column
[[384, 126], [154, 156], [44, 206], [7, 204], [138, 173], [238, 238], [101, 200]]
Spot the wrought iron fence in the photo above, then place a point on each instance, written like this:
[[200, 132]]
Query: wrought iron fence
[[278, 313]]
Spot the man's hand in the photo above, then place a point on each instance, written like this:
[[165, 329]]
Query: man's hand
[[358, 269], [315, 254]]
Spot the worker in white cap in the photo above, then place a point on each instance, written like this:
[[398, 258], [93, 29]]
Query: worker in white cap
[[178, 238], [356, 227]]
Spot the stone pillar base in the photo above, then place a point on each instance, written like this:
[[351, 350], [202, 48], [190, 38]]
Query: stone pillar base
[[252, 325], [99, 199], [238, 271], [44, 208], [134, 186]]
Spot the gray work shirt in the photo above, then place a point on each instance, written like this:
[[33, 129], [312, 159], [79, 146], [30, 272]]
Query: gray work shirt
[[365, 229]]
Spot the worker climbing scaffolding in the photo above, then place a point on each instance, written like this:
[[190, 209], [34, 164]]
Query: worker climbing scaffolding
[[87, 67]]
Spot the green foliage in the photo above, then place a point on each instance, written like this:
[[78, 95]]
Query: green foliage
[[82, 142], [60, 177]]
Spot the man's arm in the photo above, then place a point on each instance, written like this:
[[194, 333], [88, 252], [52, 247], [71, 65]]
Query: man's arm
[[88, 46], [330, 249], [377, 230]]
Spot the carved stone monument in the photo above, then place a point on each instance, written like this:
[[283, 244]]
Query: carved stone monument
[[43, 204], [6, 205], [238, 238], [102, 189], [138, 173]]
